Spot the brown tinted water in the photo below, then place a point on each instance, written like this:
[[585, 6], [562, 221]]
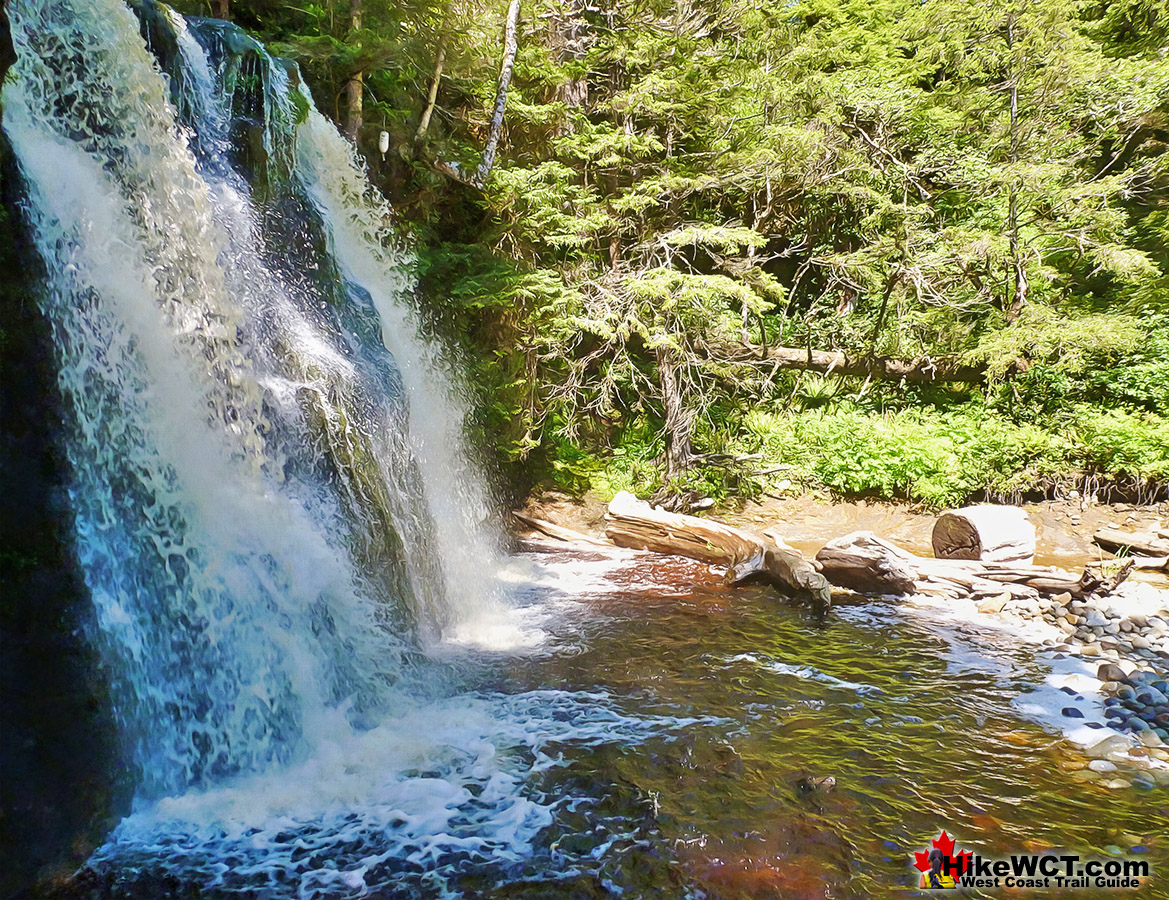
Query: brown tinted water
[[912, 716]]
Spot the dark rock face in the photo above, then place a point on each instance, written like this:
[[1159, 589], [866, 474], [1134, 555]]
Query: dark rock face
[[58, 743]]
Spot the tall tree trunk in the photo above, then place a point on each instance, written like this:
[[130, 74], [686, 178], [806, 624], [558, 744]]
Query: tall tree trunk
[[355, 87], [509, 52], [1017, 263], [221, 9], [679, 421], [432, 94], [570, 36]]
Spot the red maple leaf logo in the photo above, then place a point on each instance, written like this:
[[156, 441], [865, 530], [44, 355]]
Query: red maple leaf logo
[[945, 843]]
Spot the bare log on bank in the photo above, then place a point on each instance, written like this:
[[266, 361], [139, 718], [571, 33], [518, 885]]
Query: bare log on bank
[[635, 524], [989, 533], [1144, 542], [917, 370], [559, 532], [865, 563]]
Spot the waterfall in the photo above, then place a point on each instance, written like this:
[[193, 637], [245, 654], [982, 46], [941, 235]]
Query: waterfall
[[273, 512]]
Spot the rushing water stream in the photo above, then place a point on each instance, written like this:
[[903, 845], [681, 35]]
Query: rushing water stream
[[329, 680]]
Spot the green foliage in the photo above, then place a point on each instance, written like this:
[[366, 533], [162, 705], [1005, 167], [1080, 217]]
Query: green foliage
[[680, 185], [1115, 442], [945, 458], [1067, 345]]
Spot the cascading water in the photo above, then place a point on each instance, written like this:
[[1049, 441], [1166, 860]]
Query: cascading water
[[272, 511]]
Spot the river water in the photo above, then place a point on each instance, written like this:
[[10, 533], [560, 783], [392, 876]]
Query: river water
[[914, 716]]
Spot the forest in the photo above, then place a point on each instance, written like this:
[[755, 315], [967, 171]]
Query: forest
[[891, 249]]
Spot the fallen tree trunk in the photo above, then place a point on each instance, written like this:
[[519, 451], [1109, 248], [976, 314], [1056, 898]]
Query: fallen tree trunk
[[635, 524], [989, 533], [919, 370], [559, 532], [1143, 541], [867, 564]]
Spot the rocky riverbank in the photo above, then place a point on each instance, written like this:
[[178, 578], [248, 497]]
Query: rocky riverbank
[[1110, 656]]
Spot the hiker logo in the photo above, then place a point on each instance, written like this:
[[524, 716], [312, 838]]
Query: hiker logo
[[943, 866], [938, 865]]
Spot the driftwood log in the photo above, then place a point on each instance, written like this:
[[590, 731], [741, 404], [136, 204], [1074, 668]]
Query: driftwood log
[[635, 524], [988, 533], [867, 564], [1146, 542], [558, 532]]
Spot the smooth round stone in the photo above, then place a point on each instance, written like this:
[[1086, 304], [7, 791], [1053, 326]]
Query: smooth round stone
[[1152, 697], [1118, 784], [1072, 713], [1110, 672], [1102, 765], [1136, 724], [1162, 733], [1162, 686], [1115, 712], [1126, 693]]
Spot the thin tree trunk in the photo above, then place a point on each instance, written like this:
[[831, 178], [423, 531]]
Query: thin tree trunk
[[509, 52], [355, 87], [1020, 271], [221, 9], [894, 277], [679, 422], [432, 94]]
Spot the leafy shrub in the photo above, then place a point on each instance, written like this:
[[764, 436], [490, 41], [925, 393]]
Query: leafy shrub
[[1116, 442]]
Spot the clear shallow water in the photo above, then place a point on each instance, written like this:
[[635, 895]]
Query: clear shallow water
[[642, 732], [914, 720]]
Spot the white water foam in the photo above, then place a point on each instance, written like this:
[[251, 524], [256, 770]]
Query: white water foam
[[804, 673], [443, 787]]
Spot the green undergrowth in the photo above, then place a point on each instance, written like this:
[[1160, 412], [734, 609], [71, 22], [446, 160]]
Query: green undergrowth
[[937, 458], [945, 458]]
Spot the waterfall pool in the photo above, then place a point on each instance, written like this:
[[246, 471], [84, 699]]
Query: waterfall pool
[[634, 728]]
